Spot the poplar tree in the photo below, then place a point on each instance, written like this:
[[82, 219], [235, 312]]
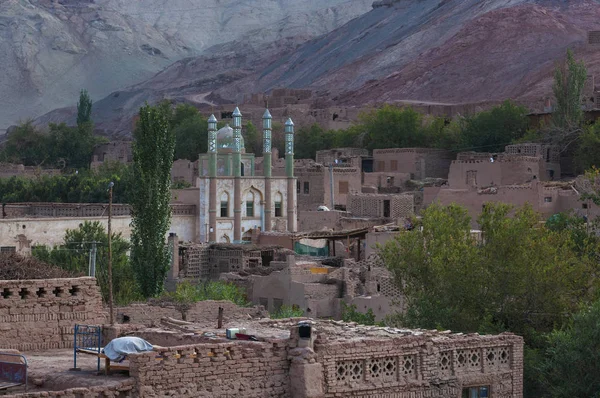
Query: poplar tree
[[84, 108], [569, 80], [153, 148]]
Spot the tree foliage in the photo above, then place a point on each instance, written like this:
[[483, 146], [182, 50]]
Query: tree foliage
[[523, 276], [569, 80], [492, 130], [571, 366], [87, 186], [74, 255], [84, 108], [153, 151]]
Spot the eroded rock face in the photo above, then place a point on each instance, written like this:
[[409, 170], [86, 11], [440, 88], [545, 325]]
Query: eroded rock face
[[53, 48]]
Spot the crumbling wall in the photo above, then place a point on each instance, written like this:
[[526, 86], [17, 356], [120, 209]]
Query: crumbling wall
[[149, 315], [415, 367], [41, 314], [248, 369]]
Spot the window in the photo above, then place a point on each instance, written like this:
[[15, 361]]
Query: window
[[250, 204], [224, 209], [278, 204], [548, 199], [584, 206], [297, 186], [343, 187], [224, 205], [306, 188], [386, 208], [380, 165], [8, 249], [476, 392], [394, 165]]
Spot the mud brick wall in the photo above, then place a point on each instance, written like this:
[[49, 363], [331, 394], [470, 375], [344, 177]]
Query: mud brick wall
[[240, 369], [41, 314], [416, 367], [125, 390], [149, 315]]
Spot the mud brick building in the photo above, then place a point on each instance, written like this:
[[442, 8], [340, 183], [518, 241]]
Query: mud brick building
[[41, 314]]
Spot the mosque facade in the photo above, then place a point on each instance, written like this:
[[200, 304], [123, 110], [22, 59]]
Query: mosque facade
[[234, 201]]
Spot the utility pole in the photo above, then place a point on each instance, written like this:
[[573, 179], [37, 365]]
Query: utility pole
[[331, 185], [92, 270], [110, 281]]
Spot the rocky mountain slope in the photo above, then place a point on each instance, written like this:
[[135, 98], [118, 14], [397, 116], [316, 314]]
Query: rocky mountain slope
[[53, 48], [436, 51]]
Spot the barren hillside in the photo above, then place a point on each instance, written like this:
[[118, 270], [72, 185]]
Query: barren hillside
[[432, 51], [53, 48]]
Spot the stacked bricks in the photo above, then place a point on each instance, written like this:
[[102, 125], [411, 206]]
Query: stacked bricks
[[41, 314], [419, 366], [236, 369]]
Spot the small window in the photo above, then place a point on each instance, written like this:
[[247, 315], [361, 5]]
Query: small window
[[343, 187], [584, 206], [380, 165], [277, 209], [306, 188], [224, 209], [250, 209], [297, 186], [394, 165], [548, 199], [8, 249], [476, 392]]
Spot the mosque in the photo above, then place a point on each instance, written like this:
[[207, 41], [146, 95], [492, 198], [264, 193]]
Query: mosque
[[234, 201]]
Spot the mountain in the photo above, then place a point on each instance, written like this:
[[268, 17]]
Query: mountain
[[53, 48], [425, 51]]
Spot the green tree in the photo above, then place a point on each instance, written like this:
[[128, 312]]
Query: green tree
[[25, 145], [523, 277], [153, 151], [191, 132], [571, 366], [569, 80], [84, 108], [492, 130], [73, 255], [311, 139], [351, 314], [587, 153], [71, 147]]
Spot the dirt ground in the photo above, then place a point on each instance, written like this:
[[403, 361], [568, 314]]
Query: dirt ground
[[50, 371]]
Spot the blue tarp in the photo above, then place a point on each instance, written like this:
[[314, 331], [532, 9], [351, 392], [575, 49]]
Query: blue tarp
[[120, 347]]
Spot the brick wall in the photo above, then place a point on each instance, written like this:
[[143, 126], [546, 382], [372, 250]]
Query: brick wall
[[248, 369], [41, 314], [417, 367], [149, 315]]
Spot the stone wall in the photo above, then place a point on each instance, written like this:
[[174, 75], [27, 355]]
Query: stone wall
[[41, 314], [8, 170], [416, 367], [248, 369], [124, 390]]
